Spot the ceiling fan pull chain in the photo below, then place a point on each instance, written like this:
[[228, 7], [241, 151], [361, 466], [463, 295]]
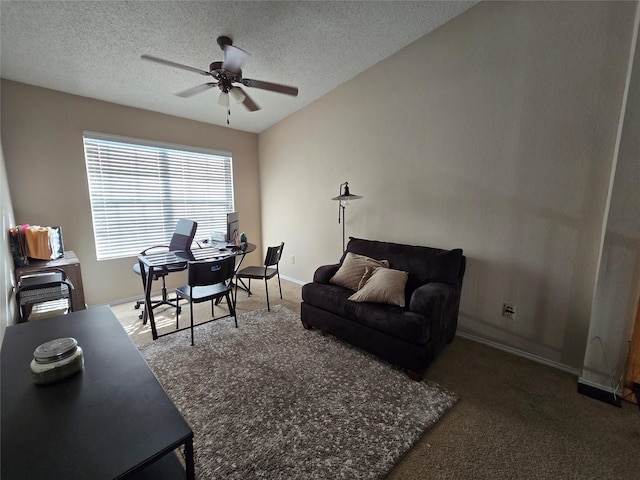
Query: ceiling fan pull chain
[[228, 115]]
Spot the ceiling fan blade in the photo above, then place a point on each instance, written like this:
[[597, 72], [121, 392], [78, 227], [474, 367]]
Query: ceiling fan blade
[[273, 87], [173, 64], [248, 101], [234, 58], [194, 90]]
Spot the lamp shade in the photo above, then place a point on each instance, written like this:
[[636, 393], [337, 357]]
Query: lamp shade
[[346, 195]]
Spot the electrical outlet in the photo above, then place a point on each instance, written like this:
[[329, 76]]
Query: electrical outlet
[[509, 311], [293, 259]]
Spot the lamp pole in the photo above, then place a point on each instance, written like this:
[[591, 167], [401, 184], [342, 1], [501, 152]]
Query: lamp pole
[[344, 197], [341, 205]]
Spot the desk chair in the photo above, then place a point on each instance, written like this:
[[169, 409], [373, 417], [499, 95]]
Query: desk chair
[[209, 280], [270, 269], [42, 286], [180, 241]]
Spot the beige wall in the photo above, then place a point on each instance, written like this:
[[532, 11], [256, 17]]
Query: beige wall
[[495, 133], [42, 140]]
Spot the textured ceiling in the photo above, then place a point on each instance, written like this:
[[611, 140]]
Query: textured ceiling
[[93, 48]]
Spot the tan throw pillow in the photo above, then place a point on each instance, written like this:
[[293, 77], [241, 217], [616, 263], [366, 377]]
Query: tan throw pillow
[[353, 269], [384, 286], [368, 271]]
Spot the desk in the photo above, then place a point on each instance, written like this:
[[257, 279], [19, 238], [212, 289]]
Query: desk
[[111, 420], [71, 265], [175, 259]]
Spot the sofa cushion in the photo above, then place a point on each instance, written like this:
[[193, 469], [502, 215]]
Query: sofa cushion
[[353, 268], [391, 320], [326, 296], [384, 286]]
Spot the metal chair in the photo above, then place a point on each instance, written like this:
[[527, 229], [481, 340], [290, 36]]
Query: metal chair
[[270, 269], [43, 286], [209, 280], [180, 241]]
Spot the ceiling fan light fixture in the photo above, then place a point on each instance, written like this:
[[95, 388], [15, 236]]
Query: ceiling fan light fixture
[[237, 95], [223, 99]]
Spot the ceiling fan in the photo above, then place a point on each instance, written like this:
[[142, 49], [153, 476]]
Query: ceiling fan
[[226, 74]]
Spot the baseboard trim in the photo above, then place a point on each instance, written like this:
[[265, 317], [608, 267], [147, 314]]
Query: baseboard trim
[[293, 280], [130, 299], [598, 393], [520, 353], [171, 290], [585, 387]]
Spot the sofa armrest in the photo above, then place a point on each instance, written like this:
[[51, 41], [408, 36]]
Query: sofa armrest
[[438, 302], [324, 273], [432, 298]]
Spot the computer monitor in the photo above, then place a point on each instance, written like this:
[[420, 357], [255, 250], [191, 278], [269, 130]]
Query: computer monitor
[[233, 228], [218, 238]]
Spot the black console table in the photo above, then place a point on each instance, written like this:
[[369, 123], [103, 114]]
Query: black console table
[[111, 420]]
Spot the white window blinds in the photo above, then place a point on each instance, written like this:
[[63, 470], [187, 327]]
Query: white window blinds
[[139, 190]]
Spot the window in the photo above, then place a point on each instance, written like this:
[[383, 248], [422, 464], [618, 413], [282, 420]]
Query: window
[[140, 189]]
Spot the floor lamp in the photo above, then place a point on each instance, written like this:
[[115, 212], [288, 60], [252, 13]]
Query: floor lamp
[[344, 198]]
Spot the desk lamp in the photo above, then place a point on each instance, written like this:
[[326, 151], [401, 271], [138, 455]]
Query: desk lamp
[[344, 198]]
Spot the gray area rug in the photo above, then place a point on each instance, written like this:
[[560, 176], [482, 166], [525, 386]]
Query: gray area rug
[[272, 400]]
